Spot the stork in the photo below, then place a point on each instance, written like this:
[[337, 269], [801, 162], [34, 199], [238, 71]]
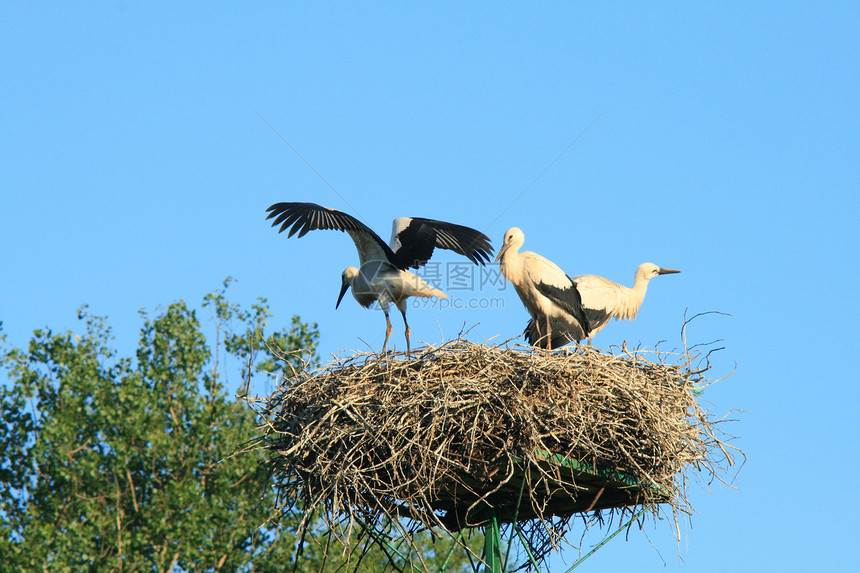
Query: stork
[[546, 291], [383, 274], [602, 300]]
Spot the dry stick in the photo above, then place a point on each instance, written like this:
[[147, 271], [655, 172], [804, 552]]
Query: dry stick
[[386, 437]]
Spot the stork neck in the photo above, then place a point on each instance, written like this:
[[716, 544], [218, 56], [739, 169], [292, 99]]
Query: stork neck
[[511, 262], [631, 299], [640, 286]]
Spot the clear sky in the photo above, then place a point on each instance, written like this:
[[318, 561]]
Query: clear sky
[[140, 144]]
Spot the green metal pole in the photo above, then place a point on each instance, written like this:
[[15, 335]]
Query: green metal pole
[[493, 546], [451, 551]]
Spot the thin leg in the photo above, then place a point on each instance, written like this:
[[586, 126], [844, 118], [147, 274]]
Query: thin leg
[[540, 341], [548, 334], [387, 331], [402, 308]]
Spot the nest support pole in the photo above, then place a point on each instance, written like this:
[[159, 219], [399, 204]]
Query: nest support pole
[[494, 562], [493, 545]]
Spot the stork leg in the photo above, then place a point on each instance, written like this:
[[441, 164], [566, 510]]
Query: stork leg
[[402, 308], [387, 331], [548, 334]]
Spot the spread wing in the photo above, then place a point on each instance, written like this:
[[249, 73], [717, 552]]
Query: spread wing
[[304, 217], [414, 239]]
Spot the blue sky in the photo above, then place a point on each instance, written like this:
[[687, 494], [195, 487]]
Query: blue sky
[[142, 142]]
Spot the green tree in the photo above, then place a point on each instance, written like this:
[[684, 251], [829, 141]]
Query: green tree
[[137, 463], [120, 464]]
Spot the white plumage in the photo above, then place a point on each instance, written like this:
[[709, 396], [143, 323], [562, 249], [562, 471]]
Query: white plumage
[[382, 275], [602, 300], [548, 294]]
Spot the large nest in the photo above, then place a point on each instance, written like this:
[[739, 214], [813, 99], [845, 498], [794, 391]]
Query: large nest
[[444, 436]]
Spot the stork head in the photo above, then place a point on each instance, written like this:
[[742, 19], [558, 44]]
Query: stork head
[[648, 271], [514, 239], [346, 277]]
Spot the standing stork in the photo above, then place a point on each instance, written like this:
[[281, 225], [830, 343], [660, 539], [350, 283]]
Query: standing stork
[[382, 274], [546, 291], [602, 300]]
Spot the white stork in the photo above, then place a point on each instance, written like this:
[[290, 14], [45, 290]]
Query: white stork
[[602, 300], [382, 275], [546, 291]]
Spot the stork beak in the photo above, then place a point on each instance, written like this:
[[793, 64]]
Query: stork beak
[[502, 252], [342, 292], [667, 271]]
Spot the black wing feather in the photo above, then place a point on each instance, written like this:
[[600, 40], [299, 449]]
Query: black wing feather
[[419, 239], [417, 243], [534, 337], [569, 299], [304, 217], [597, 316]]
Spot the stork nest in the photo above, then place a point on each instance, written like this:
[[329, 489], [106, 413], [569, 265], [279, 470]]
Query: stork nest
[[446, 435]]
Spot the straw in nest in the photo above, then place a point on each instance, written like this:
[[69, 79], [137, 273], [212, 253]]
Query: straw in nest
[[462, 430]]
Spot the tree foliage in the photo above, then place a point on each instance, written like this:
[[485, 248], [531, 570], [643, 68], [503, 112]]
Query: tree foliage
[[117, 463]]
